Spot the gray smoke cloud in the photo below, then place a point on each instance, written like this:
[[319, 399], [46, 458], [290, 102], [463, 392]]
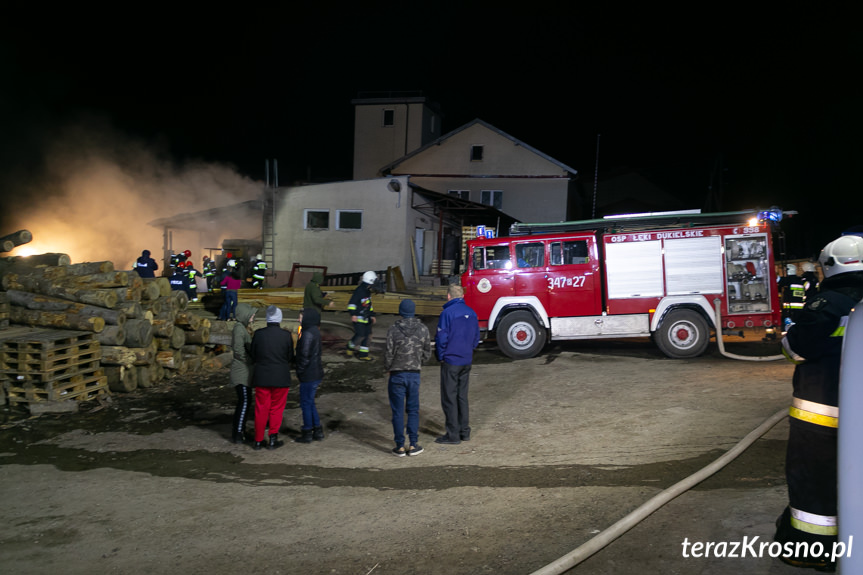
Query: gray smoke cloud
[[98, 189]]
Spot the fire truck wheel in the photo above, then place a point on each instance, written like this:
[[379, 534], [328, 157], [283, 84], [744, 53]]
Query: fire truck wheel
[[682, 334], [519, 336]]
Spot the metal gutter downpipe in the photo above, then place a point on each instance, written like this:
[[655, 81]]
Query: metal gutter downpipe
[[718, 323]]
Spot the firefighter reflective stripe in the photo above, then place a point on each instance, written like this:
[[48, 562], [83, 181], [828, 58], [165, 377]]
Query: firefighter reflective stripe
[[789, 353], [840, 331], [812, 523], [817, 413], [793, 305]]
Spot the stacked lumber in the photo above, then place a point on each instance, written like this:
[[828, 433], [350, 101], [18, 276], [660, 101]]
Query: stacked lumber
[[4, 311], [141, 329]]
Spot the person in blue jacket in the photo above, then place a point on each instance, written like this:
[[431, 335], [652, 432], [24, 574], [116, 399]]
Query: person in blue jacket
[[456, 337]]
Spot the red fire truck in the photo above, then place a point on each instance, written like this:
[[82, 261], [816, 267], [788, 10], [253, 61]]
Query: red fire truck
[[667, 275]]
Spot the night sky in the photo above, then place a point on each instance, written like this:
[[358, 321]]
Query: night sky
[[769, 94]]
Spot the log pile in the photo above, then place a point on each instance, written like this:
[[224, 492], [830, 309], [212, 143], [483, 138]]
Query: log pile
[[140, 331]]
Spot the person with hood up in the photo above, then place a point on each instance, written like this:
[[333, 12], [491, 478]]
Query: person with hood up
[[272, 352], [408, 347], [241, 369], [310, 372], [313, 297], [145, 265]]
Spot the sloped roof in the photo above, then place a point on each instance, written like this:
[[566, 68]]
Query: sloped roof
[[389, 167]]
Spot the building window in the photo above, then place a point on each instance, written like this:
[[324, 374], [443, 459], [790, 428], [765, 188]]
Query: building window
[[316, 219], [476, 153], [349, 219], [389, 117], [432, 123], [493, 198], [461, 194]]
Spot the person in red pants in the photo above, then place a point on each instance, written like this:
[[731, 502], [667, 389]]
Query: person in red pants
[[272, 351]]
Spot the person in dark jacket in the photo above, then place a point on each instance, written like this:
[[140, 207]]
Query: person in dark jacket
[[456, 338], [310, 372], [272, 352], [241, 369], [408, 347], [814, 343], [313, 297], [810, 279], [146, 266]]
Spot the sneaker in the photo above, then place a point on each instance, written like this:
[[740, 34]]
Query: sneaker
[[415, 450], [443, 439], [399, 451], [364, 357]]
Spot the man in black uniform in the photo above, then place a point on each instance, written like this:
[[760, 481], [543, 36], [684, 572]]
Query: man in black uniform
[[814, 343]]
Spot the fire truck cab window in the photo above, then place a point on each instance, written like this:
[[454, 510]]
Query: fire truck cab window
[[568, 253], [530, 255], [491, 258]]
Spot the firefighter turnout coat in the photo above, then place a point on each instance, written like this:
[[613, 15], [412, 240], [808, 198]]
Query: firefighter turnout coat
[[814, 343]]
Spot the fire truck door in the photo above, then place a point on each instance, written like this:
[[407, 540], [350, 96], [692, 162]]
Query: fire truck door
[[492, 278], [572, 279], [531, 270]]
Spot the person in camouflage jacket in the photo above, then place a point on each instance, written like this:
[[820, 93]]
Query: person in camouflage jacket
[[408, 347]]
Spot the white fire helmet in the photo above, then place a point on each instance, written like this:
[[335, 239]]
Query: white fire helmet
[[370, 277], [842, 255], [808, 267], [259, 257], [791, 269]]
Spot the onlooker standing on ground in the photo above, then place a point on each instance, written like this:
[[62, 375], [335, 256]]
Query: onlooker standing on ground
[[363, 317], [408, 347], [456, 338], [310, 372], [146, 266], [241, 369], [272, 352], [313, 297]]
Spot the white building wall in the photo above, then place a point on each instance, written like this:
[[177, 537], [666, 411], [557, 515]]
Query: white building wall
[[387, 228]]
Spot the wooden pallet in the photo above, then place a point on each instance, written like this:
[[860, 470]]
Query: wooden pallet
[[26, 361], [59, 373], [81, 387]]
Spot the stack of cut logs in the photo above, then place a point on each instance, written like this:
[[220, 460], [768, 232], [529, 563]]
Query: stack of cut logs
[[144, 329]]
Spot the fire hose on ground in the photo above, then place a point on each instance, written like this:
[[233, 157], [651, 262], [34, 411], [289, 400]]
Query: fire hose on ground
[[604, 538]]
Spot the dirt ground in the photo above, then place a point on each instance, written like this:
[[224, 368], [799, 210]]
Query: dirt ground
[[563, 446]]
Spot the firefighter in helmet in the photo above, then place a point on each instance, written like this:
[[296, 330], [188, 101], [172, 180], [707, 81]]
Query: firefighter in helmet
[[363, 317], [192, 275], [178, 279], [814, 343], [259, 271], [810, 279], [209, 272]]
